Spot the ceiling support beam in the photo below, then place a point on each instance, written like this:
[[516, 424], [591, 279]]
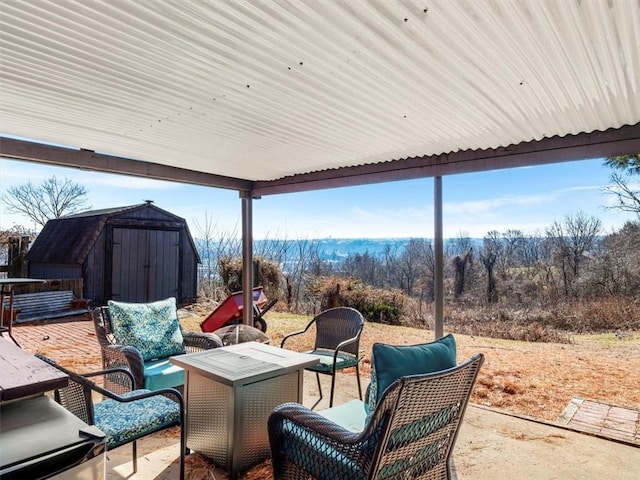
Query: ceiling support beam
[[583, 146], [89, 160]]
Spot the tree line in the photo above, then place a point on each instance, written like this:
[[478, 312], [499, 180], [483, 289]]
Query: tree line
[[570, 259]]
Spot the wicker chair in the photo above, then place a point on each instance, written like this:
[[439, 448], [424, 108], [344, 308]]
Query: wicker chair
[[337, 344], [410, 434], [125, 356], [125, 415]]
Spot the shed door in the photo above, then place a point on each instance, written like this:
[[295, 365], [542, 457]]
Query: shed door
[[145, 265]]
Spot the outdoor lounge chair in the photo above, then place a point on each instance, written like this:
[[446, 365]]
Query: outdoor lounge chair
[[337, 344], [410, 434], [150, 366], [124, 415]]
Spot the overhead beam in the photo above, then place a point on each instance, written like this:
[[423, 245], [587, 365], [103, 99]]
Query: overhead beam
[[548, 150], [89, 160]]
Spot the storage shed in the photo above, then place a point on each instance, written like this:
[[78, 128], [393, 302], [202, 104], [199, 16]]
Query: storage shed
[[138, 253]]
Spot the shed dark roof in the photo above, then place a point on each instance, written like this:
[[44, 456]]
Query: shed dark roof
[[69, 239]]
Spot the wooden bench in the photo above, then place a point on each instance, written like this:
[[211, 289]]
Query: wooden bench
[[45, 305]]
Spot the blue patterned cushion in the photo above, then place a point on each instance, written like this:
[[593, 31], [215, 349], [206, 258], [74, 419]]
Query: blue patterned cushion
[[390, 362], [152, 328], [123, 422]]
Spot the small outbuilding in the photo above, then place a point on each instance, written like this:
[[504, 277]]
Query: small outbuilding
[[138, 253]]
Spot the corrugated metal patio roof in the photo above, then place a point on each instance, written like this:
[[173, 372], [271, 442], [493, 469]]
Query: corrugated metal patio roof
[[236, 92]]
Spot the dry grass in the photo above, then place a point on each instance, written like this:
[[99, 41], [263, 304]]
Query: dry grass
[[530, 379], [534, 379]]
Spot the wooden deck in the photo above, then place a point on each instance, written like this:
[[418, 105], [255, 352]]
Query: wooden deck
[[608, 421]]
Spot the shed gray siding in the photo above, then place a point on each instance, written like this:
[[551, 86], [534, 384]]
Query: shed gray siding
[[94, 271], [145, 264], [53, 270]]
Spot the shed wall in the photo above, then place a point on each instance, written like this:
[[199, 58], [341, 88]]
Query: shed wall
[[94, 271], [54, 270]]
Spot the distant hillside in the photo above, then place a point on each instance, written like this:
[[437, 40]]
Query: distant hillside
[[340, 248]]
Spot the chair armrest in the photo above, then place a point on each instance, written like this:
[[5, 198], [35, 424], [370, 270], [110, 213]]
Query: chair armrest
[[305, 444], [140, 394], [195, 341], [293, 334], [107, 371], [344, 343]]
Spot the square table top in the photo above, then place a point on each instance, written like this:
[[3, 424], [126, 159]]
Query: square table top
[[244, 363]]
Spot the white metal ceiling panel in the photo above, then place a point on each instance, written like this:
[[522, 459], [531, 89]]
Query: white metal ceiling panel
[[259, 90]]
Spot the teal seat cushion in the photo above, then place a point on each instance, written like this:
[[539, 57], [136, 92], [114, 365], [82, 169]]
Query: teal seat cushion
[[162, 374], [152, 328], [391, 362], [350, 415], [343, 360], [122, 422]]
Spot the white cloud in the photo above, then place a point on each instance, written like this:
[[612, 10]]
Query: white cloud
[[490, 205]]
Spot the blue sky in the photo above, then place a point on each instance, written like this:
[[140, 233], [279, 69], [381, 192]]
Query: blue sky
[[529, 199]]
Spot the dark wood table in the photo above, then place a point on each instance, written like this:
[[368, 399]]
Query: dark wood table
[[24, 374]]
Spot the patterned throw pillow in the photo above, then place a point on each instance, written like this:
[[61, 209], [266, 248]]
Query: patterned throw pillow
[[152, 328], [390, 362]]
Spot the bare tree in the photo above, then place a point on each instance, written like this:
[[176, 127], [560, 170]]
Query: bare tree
[[53, 198], [208, 273], [461, 249], [627, 193], [493, 249], [571, 239], [460, 265]]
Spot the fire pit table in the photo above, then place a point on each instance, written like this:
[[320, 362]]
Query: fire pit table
[[230, 392]]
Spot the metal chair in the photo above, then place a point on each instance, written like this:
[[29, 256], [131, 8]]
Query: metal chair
[[410, 434], [337, 344], [125, 356], [126, 416]]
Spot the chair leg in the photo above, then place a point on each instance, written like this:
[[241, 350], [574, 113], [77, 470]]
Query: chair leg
[[134, 446], [183, 449], [319, 391], [333, 384], [359, 385]]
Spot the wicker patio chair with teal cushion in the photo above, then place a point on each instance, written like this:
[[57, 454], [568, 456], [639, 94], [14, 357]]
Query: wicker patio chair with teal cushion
[[410, 433], [391, 362], [337, 344], [142, 336], [125, 415]]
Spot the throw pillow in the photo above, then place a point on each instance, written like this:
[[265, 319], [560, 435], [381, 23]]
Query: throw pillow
[[390, 362], [152, 328]]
